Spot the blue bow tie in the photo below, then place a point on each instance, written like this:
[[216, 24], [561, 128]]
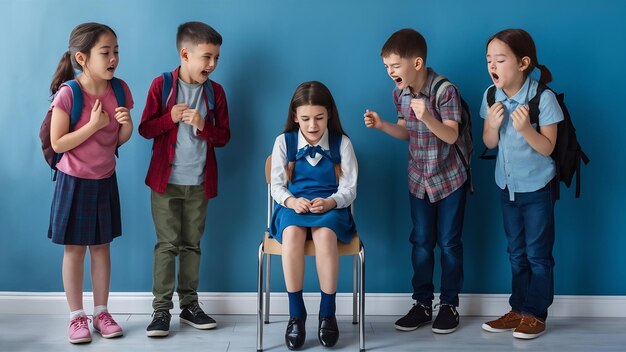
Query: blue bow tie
[[309, 151]]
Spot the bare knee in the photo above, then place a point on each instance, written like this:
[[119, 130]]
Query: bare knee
[[294, 238], [325, 240], [74, 252]]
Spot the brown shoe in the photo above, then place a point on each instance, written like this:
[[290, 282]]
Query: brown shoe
[[529, 328], [507, 322]]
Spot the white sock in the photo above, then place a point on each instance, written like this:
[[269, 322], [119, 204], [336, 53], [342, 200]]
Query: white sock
[[99, 309], [76, 313]]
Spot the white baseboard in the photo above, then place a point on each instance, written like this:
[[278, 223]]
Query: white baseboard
[[246, 303]]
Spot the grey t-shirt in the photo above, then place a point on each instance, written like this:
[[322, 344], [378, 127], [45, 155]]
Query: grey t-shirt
[[190, 155]]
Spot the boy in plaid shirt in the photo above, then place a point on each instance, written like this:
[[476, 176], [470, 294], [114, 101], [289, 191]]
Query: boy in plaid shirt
[[437, 177]]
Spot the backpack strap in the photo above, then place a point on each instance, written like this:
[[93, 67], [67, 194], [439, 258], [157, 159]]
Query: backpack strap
[[491, 96], [209, 95], [209, 98], [438, 86], [167, 87], [585, 159], [77, 102], [119, 91], [120, 96], [491, 99], [533, 104]]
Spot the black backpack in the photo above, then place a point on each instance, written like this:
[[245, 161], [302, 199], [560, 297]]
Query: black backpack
[[567, 153], [438, 86]]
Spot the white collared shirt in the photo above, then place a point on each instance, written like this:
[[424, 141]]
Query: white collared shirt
[[346, 191]]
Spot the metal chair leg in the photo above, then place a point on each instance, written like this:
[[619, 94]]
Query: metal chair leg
[[259, 324], [268, 270], [362, 301], [355, 283]]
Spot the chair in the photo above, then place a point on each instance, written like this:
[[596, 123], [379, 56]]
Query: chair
[[270, 246]]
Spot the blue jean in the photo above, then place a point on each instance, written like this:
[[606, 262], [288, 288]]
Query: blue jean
[[529, 228], [439, 223]]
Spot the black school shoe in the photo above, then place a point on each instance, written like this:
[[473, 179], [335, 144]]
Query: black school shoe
[[296, 333], [194, 315], [419, 315], [160, 325], [447, 320], [328, 331]]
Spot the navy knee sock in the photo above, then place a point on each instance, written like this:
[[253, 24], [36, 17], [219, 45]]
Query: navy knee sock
[[296, 305], [327, 305]]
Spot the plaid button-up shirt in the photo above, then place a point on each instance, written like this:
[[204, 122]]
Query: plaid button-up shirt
[[434, 166]]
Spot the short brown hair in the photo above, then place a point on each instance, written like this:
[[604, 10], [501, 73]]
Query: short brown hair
[[197, 33], [407, 43]]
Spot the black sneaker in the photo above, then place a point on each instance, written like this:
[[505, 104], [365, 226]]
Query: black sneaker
[[419, 315], [160, 325], [194, 316], [447, 319]]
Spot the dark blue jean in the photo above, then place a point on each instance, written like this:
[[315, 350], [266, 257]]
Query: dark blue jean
[[529, 228], [438, 223]]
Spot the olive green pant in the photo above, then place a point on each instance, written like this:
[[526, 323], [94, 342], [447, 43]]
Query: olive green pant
[[179, 216]]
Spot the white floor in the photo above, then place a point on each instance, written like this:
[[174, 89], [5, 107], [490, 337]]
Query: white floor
[[47, 333]]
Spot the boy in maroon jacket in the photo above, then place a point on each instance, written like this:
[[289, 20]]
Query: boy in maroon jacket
[[183, 170]]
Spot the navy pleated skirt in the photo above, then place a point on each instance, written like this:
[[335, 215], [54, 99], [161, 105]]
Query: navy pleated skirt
[[85, 212]]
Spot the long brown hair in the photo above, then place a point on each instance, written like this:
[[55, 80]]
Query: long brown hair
[[82, 39], [313, 93], [522, 44]]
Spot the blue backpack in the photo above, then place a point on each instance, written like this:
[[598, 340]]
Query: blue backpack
[[52, 157]]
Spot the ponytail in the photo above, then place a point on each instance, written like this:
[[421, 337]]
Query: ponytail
[[64, 72], [546, 75]]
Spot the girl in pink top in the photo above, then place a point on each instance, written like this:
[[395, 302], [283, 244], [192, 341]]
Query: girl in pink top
[[86, 208]]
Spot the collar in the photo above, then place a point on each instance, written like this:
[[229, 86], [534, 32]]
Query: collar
[[323, 142], [521, 97], [425, 91]]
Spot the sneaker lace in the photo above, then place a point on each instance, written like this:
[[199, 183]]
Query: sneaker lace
[[105, 319], [530, 321], [80, 322], [420, 307], [438, 306], [195, 309], [161, 315]]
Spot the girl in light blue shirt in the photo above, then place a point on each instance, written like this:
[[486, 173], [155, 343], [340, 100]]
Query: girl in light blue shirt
[[524, 173]]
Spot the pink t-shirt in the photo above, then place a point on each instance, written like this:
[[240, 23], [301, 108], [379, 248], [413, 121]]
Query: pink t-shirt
[[95, 157]]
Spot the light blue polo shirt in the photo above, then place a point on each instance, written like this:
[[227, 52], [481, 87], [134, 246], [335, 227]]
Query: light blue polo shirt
[[518, 165]]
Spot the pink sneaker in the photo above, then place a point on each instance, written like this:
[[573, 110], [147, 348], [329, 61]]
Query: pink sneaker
[[104, 324], [78, 331]]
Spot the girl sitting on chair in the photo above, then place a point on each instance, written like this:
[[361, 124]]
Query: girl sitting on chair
[[313, 181]]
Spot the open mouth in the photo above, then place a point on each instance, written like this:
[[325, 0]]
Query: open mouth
[[495, 76], [111, 69], [205, 73], [398, 80]]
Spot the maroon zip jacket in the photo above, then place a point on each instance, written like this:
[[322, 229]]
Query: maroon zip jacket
[[158, 125]]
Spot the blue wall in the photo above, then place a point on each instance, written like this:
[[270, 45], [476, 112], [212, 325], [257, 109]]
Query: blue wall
[[269, 48]]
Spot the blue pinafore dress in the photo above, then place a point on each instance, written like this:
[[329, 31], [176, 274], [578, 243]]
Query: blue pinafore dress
[[311, 182]]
